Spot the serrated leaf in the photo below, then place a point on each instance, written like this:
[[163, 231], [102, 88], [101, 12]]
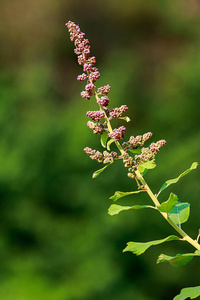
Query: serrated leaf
[[148, 165], [96, 173], [172, 181], [168, 205], [127, 119], [104, 138], [139, 248], [117, 195], [179, 259], [109, 143], [190, 292], [114, 209], [180, 213]]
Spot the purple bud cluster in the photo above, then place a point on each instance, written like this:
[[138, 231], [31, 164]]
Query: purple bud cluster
[[91, 75], [105, 157], [97, 128], [103, 101], [95, 115], [82, 49], [118, 133], [118, 111]]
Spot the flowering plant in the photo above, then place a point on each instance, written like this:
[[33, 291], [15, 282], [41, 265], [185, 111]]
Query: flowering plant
[[136, 158]]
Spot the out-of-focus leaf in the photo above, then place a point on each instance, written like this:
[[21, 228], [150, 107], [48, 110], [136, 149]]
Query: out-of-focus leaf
[[191, 292], [168, 205], [179, 259], [114, 209], [139, 248], [172, 181], [109, 143], [180, 213], [104, 138], [117, 195], [96, 173], [142, 170]]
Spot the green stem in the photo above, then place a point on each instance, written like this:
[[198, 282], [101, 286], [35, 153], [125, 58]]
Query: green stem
[[185, 236]]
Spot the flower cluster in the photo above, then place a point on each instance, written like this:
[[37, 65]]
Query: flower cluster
[[105, 157], [82, 49], [118, 111], [138, 141], [150, 152], [97, 128], [117, 133], [95, 115], [91, 74]]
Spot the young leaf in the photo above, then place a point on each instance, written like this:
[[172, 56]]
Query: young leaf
[[192, 292], [109, 143], [104, 138], [114, 209], [142, 170], [168, 205], [135, 151], [179, 259], [172, 181], [180, 213], [139, 248], [127, 119], [148, 165], [96, 173], [119, 194]]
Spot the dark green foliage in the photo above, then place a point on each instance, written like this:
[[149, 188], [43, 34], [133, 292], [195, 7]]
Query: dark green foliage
[[57, 242]]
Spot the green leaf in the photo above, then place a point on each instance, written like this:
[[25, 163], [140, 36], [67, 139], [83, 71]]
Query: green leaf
[[96, 173], [142, 170], [192, 292], [180, 213], [135, 151], [168, 205], [179, 259], [104, 138], [114, 209], [117, 195], [172, 181], [109, 143], [148, 165], [127, 119], [139, 248]]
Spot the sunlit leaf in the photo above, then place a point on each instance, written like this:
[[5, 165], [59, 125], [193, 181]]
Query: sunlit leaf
[[109, 143], [179, 259], [96, 173], [142, 170], [148, 165], [114, 209], [119, 194], [104, 138], [168, 205], [191, 292], [172, 181], [139, 248], [180, 213]]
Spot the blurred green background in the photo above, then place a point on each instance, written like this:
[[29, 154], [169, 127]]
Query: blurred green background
[[57, 241]]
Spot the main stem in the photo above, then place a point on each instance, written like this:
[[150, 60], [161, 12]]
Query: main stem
[[185, 236]]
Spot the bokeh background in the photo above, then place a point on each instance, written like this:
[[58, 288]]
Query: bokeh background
[[57, 241]]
